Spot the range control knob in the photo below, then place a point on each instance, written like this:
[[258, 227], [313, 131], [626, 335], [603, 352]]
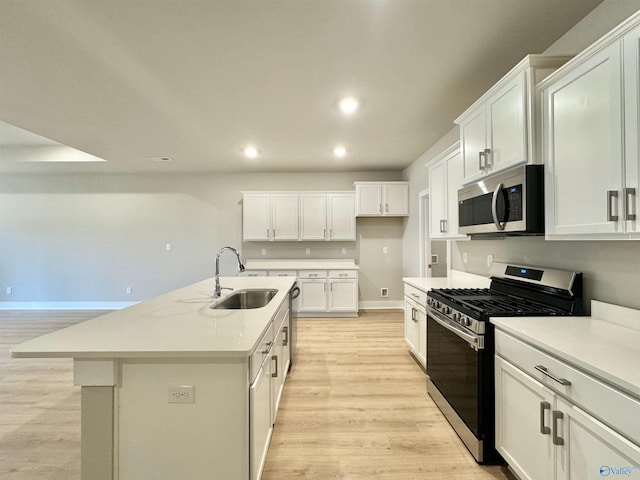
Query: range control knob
[[456, 317], [438, 305], [466, 321], [446, 310]]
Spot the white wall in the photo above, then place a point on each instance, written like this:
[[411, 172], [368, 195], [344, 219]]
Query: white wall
[[611, 269], [86, 238]]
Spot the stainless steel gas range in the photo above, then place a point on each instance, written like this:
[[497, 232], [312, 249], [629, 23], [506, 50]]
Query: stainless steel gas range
[[460, 346]]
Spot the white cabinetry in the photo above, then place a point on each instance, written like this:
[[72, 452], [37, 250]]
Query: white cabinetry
[[501, 129], [445, 178], [341, 210], [293, 216], [556, 422], [334, 291], [415, 323], [378, 199], [590, 126], [267, 216]]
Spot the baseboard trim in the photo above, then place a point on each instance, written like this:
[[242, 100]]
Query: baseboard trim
[[382, 305], [65, 305]]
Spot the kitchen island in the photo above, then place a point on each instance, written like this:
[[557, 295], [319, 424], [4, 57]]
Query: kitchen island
[[174, 389]]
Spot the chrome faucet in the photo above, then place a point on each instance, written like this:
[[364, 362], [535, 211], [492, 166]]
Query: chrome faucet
[[217, 289]]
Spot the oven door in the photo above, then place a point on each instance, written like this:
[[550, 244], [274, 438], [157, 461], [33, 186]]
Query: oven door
[[456, 363]]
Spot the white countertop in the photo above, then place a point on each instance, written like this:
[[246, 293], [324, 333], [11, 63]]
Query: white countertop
[[457, 279], [177, 324], [300, 264], [606, 350]]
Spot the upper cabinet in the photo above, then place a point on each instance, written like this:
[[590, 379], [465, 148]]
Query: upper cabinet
[[590, 113], [382, 199], [502, 129], [445, 178], [293, 216]]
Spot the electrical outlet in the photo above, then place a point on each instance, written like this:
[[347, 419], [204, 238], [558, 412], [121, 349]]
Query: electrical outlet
[[264, 252], [385, 250], [8, 290], [384, 292], [344, 251], [489, 259], [181, 393], [128, 290], [465, 258], [308, 251], [167, 247]]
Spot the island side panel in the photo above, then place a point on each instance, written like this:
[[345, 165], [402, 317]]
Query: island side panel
[[97, 433], [205, 439]]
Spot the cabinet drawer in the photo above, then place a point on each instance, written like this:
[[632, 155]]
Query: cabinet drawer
[[253, 273], [415, 294], [283, 273], [313, 274], [614, 408], [343, 274], [261, 352]]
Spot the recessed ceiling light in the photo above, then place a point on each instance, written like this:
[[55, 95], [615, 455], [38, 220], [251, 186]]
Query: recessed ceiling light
[[340, 151], [250, 152], [348, 105]]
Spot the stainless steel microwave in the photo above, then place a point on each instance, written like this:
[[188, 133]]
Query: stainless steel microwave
[[508, 203]]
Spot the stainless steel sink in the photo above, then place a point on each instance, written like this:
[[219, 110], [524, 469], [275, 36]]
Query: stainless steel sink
[[245, 299]]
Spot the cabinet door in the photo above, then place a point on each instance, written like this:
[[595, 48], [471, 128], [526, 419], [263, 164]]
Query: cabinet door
[[422, 336], [507, 126], [396, 199], [473, 143], [590, 449], [523, 413], [583, 146], [411, 327], [260, 425], [284, 216], [632, 128], [313, 296], [343, 295], [369, 199], [256, 216], [313, 216], [455, 177], [342, 216], [438, 201]]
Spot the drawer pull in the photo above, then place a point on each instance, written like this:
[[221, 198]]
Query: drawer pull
[[544, 430], [285, 342], [562, 381], [557, 440], [415, 295]]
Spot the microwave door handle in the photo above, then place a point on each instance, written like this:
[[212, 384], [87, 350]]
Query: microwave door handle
[[494, 208]]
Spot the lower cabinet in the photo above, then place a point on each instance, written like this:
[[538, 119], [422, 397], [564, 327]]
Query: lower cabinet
[[543, 435], [332, 291], [260, 419], [415, 323]]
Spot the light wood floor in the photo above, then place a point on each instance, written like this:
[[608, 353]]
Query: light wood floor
[[354, 407]]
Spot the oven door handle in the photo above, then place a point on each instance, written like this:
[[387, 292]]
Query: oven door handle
[[475, 341]]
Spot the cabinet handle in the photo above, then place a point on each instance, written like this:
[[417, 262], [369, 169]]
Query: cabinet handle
[[444, 226], [268, 349], [386, 207], [313, 274], [413, 314], [324, 233], [557, 440], [285, 342], [612, 198], [481, 161], [275, 374], [268, 236], [331, 233], [343, 274], [562, 381], [629, 203], [544, 430], [488, 160], [380, 207], [494, 208]]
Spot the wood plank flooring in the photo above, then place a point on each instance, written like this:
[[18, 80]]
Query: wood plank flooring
[[354, 407]]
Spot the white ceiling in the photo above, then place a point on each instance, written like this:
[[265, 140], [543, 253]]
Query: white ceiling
[[197, 80]]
